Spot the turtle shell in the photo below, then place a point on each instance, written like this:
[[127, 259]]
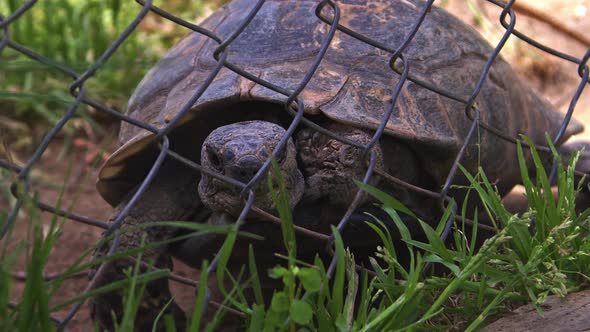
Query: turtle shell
[[353, 85]]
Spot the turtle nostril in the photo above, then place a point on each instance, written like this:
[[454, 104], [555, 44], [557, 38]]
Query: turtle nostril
[[244, 169], [214, 160]]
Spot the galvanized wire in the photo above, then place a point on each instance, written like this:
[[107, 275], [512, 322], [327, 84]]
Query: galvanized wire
[[293, 106]]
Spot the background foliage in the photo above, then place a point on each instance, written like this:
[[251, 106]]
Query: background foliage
[[75, 33]]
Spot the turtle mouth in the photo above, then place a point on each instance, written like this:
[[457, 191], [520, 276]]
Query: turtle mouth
[[221, 196], [207, 244]]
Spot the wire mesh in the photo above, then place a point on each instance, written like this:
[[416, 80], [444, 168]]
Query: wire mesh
[[294, 106]]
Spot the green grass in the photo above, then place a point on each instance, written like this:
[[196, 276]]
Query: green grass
[[517, 265], [32, 312], [75, 33]]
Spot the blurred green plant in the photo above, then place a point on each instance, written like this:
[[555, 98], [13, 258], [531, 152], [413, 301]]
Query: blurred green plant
[[75, 33], [518, 264]]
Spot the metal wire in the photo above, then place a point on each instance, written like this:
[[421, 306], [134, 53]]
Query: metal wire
[[293, 107]]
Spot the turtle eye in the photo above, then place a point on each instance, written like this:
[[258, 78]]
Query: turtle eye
[[214, 160]]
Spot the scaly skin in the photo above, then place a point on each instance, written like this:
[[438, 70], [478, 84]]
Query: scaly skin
[[171, 197], [330, 166], [237, 150]]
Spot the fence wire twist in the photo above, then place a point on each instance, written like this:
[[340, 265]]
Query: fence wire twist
[[294, 106]]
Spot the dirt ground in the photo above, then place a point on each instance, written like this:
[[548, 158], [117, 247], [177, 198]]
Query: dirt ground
[[555, 79], [82, 198]]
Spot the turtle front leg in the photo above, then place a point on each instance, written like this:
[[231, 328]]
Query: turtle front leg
[[566, 151], [171, 197], [330, 166]]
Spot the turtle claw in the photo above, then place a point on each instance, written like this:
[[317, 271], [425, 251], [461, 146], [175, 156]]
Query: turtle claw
[[567, 150], [583, 165], [156, 298]]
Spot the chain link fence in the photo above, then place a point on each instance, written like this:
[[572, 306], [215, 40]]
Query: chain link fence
[[293, 106]]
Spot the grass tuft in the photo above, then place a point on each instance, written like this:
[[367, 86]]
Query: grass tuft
[[516, 265]]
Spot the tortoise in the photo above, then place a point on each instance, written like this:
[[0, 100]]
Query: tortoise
[[236, 124]]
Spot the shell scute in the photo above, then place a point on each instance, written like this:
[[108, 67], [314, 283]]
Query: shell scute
[[352, 85]]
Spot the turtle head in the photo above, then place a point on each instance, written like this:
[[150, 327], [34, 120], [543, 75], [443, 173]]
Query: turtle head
[[239, 150]]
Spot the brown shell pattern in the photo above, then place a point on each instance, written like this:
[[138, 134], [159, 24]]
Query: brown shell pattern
[[353, 84]]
